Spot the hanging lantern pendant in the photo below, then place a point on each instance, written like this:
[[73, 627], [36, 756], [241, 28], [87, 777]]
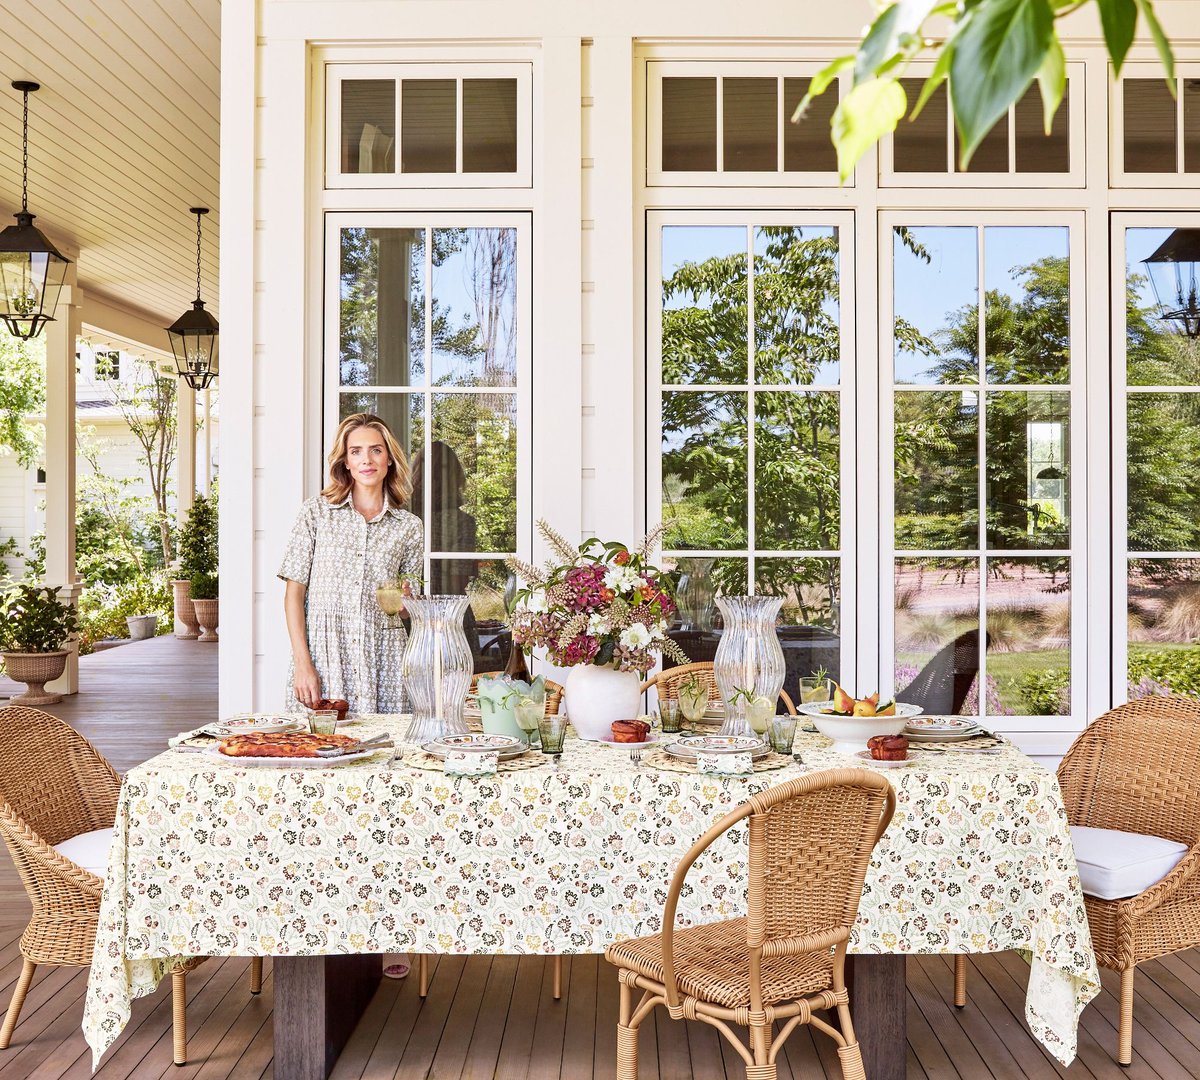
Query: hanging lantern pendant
[[32, 270], [194, 335]]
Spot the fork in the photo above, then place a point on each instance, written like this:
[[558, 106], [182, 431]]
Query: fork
[[635, 756]]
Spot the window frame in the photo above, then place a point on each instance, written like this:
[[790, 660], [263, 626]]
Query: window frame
[[522, 391], [657, 70], [1081, 637], [847, 551], [1074, 177], [336, 72], [1118, 177]]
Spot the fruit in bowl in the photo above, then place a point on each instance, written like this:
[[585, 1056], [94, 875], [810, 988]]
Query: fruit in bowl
[[851, 721]]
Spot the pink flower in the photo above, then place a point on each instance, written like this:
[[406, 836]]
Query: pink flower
[[580, 650]]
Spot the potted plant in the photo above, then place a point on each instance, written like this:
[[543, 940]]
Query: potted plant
[[602, 610], [197, 556], [34, 627], [206, 604]]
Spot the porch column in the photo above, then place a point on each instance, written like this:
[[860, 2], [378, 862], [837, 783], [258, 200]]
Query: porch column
[[206, 468], [185, 456], [61, 335]]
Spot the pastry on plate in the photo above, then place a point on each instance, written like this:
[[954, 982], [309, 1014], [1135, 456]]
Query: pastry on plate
[[630, 731], [888, 747]]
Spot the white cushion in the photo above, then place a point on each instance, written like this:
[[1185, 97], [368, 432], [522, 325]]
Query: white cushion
[[1113, 864], [89, 850]]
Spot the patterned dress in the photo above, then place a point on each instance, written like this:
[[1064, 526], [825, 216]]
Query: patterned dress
[[341, 558]]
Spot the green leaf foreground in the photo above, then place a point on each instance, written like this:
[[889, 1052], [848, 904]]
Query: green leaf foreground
[[990, 56]]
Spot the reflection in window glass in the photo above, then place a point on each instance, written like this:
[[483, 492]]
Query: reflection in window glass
[[1164, 627], [1150, 135], [991, 155], [750, 125], [1037, 151], [919, 146], [796, 470], [796, 305], [1022, 427], [937, 636], [382, 307], [1191, 125], [1163, 439], [427, 125], [936, 296], [1028, 284], [810, 619], [689, 125], [937, 471], [474, 307], [704, 481], [489, 125], [806, 143], [697, 628], [473, 473], [1158, 353], [1028, 627], [704, 269], [368, 126]]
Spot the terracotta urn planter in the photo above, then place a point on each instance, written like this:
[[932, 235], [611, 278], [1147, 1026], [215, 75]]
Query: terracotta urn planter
[[35, 670], [207, 615], [185, 612]]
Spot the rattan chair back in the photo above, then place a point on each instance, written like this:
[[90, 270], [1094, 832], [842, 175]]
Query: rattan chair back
[[1137, 769], [667, 682]]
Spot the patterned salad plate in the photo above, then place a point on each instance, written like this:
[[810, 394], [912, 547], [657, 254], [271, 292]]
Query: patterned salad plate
[[688, 748], [256, 723], [941, 729], [476, 743]]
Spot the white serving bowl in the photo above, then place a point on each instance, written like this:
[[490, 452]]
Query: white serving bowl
[[850, 733]]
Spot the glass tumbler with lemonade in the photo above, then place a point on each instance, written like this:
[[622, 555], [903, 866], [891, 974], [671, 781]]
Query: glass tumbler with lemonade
[[693, 700]]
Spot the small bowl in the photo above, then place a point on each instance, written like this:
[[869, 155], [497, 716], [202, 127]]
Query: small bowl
[[850, 733]]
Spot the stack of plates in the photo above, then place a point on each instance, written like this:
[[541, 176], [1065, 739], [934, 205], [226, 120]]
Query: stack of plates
[[942, 729], [476, 743], [688, 748], [256, 723]]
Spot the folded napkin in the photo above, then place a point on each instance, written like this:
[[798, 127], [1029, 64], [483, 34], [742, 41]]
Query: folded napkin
[[725, 764], [179, 741], [463, 763]]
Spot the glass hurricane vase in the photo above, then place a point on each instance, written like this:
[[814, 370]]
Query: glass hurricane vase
[[437, 667], [749, 656]]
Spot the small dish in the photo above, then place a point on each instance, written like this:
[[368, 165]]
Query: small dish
[[689, 747], [939, 737], [943, 725], [256, 723], [883, 764], [653, 740]]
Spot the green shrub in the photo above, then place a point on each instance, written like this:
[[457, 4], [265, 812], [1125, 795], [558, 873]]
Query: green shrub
[[1175, 670], [198, 541], [1045, 692], [33, 619], [103, 609]]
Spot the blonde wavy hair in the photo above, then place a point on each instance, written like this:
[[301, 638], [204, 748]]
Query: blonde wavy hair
[[397, 483]]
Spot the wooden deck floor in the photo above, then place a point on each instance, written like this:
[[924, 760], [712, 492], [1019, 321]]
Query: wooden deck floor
[[496, 1016]]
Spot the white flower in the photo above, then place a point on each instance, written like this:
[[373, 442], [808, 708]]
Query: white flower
[[597, 625], [636, 636], [622, 579], [536, 604]]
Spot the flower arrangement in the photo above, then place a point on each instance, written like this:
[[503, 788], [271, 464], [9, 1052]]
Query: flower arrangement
[[599, 603]]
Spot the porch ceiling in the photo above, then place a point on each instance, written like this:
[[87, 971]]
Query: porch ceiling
[[124, 137]]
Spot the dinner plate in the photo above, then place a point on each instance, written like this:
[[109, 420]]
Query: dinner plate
[[476, 743], [688, 748], [935, 736], [944, 725], [257, 724], [866, 756], [298, 763], [653, 740]]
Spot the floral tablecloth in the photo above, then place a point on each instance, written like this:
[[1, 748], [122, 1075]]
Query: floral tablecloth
[[212, 858]]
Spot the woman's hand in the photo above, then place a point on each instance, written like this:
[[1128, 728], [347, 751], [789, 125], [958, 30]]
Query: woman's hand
[[307, 684]]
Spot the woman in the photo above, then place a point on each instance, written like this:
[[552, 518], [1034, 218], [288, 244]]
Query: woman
[[346, 542]]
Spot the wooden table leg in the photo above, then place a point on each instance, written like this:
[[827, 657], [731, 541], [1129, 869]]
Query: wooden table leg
[[877, 1005], [318, 1002]]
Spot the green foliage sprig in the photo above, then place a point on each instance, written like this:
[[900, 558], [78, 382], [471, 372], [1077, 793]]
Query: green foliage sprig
[[198, 558], [991, 54], [34, 620]]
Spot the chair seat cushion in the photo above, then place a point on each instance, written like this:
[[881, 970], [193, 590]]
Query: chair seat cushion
[[1115, 864], [712, 963], [89, 850]]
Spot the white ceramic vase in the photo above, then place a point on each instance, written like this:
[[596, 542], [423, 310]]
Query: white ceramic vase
[[596, 696]]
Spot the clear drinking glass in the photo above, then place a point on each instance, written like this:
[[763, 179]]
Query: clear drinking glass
[[813, 689], [759, 713], [527, 713], [553, 730], [783, 734], [322, 721], [693, 705], [390, 597], [671, 716]]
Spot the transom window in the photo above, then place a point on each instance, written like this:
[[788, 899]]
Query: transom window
[[1156, 126]]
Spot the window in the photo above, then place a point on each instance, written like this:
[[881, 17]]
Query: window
[[428, 125], [107, 365], [730, 123], [430, 332], [983, 345], [1161, 516], [1017, 152], [750, 368], [1156, 127]]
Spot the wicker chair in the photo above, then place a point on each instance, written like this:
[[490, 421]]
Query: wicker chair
[[55, 785], [666, 683], [1137, 769], [810, 841]]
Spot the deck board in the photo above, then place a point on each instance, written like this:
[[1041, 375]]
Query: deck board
[[496, 1016]]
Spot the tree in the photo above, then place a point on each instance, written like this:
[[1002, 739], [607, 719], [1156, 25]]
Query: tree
[[992, 53], [22, 394]]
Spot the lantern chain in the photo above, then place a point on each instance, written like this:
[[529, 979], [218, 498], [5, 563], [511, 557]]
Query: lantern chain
[[198, 219], [25, 154]]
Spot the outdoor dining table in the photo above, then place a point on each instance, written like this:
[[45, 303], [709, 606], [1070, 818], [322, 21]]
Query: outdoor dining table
[[323, 867]]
